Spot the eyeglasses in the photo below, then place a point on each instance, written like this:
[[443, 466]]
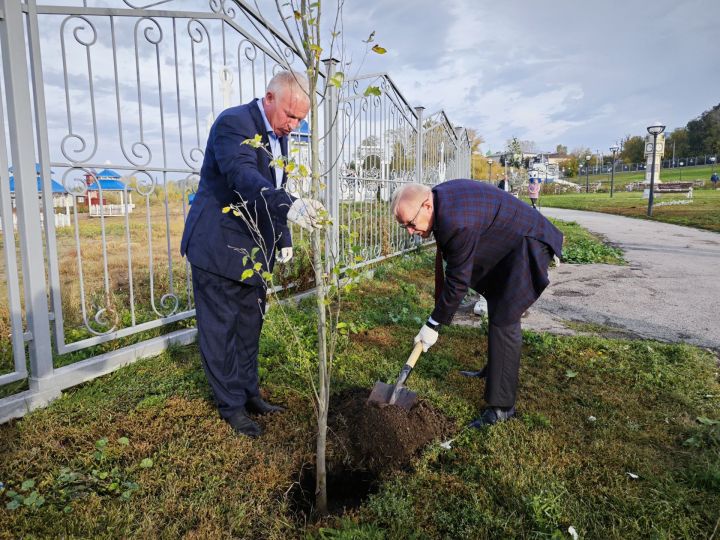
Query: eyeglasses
[[411, 223]]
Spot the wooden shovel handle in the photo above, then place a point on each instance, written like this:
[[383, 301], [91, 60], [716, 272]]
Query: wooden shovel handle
[[415, 354]]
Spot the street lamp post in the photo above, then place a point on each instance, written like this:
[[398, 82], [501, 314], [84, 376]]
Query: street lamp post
[[587, 173], [712, 160], [682, 163], [490, 162], [653, 130], [614, 148]]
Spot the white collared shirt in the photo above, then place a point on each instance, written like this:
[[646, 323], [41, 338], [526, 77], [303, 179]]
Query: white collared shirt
[[274, 144]]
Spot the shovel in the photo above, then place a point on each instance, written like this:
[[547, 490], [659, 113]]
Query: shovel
[[397, 394]]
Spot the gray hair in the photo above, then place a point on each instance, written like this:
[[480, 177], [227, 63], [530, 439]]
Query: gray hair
[[407, 192], [289, 80]]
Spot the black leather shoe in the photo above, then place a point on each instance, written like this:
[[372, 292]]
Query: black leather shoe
[[243, 425], [479, 374], [257, 405], [491, 416]]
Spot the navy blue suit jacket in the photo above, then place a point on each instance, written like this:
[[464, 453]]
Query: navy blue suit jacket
[[494, 243], [215, 241]]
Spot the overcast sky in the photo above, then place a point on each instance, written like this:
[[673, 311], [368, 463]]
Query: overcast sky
[[567, 72], [554, 71]]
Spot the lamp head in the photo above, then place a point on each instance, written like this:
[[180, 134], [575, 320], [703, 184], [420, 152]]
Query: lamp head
[[588, 157], [614, 148], [490, 161], [656, 129]]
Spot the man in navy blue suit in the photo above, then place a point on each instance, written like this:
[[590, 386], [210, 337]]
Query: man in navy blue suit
[[221, 245], [501, 248]]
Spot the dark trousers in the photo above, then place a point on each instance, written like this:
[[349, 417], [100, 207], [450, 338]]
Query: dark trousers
[[229, 318], [503, 367]]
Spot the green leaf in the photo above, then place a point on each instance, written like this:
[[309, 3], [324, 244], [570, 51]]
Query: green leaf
[[124, 441], [703, 420], [245, 260], [247, 274], [570, 374], [27, 484], [255, 142], [378, 49], [254, 252], [341, 325], [372, 91], [337, 79], [13, 505], [146, 463], [267, 276]]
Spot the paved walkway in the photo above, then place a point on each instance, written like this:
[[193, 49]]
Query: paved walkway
[[669, 290]]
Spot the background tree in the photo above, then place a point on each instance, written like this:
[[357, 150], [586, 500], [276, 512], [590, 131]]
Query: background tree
[[633, 150], [571, 166], [514, 152], [479, 166], [676, 143], [561, 149], [704, 132]]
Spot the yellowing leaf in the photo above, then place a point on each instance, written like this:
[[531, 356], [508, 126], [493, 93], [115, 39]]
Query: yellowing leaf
[[378, 49], [226, 210], [247, 274], [236, 213], [257, 266], [297, 14], [372, 91]]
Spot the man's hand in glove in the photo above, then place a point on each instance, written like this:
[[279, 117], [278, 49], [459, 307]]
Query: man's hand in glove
[[306, 213], [427, 336], [284, 255]]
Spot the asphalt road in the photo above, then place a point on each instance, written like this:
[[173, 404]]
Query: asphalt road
[[668, 291]]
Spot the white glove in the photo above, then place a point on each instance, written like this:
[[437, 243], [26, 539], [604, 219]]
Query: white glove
[[284, 255], [428, 336], [305, 213]]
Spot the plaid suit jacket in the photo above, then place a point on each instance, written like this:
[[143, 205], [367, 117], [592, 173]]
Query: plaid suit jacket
[[494, 243]]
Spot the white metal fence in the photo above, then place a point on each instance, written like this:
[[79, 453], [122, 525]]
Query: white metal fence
[[133, 89]]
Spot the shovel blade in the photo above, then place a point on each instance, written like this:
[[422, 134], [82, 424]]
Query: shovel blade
[[382, 393]]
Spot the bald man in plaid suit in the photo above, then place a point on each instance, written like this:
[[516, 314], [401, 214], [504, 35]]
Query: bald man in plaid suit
[[499, 246]]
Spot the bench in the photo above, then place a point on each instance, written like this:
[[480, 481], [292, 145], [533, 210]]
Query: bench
[[670, 187], [675, 187]]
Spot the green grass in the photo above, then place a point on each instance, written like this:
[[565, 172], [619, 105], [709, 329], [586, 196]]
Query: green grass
[[700, 172], [583, 247], [703, 212], [141, 452]]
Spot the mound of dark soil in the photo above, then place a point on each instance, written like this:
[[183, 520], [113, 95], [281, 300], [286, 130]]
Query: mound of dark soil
[[366, 442], [379, 439]]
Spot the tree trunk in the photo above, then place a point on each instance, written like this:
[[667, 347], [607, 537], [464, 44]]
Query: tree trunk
[[323, 379]]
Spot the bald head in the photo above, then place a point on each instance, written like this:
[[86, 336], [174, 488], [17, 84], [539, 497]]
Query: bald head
[[412, 207], [408, 193]]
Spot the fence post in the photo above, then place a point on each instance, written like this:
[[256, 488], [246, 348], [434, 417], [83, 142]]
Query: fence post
[[332, 159], [20, 124], [419, 149]]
